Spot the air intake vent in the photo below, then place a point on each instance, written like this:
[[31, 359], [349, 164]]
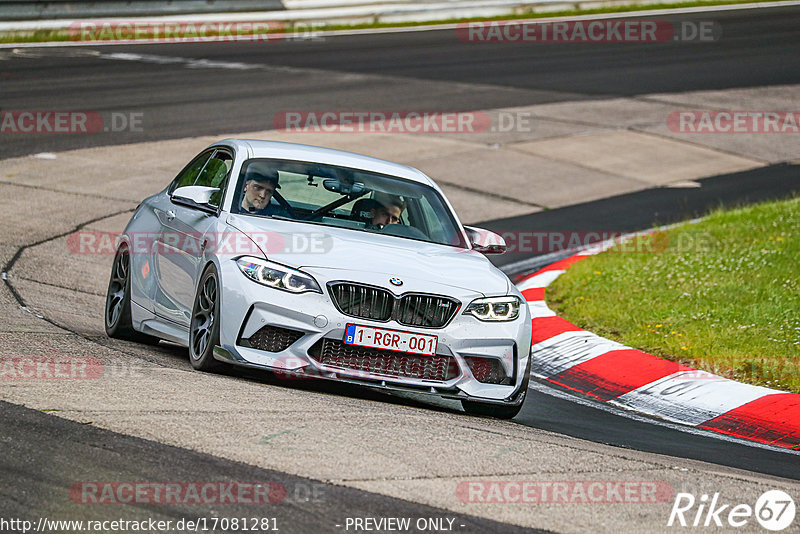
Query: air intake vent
[[335, 353], [272, 339], [488, 370]]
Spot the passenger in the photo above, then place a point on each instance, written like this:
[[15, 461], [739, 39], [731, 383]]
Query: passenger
[[388, 211]]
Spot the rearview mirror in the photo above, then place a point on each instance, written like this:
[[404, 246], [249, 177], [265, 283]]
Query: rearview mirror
[[485, 242], [344, 188]]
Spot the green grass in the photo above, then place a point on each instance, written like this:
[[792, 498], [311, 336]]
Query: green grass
[[63, 35], [722, 295]]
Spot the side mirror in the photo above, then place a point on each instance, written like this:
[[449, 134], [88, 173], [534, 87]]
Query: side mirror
[[484, 241], [195, 196]]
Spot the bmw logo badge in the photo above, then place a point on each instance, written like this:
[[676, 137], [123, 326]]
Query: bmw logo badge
[[396, 281]]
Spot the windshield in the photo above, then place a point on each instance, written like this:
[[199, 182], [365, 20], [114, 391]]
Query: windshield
[[346, 198]]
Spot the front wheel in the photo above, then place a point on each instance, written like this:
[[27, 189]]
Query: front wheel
[[204, 329]]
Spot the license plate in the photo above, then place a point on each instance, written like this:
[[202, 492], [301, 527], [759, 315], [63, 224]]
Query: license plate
[[396, 340]]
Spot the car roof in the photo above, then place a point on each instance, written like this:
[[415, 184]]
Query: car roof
[[316, 154]]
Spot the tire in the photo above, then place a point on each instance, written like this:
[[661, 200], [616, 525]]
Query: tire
[[204, 326], [497, 411], [117, 314]]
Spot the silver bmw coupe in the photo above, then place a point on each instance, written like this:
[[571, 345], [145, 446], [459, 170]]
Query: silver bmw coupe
[[326, 264]]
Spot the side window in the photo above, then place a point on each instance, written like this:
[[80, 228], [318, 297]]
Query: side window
[[215, 171], [214, 174], [190, 173]]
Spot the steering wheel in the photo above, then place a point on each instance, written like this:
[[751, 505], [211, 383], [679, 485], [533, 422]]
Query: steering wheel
[[283, 203], [403, 230]]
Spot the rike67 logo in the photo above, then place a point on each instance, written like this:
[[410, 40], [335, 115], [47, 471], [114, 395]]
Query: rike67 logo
[[774, 510]]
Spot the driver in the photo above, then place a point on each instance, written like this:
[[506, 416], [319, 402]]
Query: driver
[[388, 211], [259, 187]]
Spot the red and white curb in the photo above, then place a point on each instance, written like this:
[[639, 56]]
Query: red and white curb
[[568, 356]]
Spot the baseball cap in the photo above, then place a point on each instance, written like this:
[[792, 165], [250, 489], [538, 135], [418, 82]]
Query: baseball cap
[[262, 175]]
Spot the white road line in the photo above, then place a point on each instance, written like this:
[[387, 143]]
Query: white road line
[[429, 27], [189, 63]]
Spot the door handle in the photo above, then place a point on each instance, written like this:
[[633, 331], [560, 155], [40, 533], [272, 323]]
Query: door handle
[[170, 215]]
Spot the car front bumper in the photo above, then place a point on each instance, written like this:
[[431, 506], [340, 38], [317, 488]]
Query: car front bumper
[[248, 307]]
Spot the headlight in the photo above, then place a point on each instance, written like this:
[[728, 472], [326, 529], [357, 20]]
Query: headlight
[[494, 308], [277, 275]]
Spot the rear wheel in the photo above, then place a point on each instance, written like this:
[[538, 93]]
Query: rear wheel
[[204, 329], [118, 301]]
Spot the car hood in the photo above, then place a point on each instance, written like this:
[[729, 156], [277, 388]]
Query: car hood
[[345, 254]]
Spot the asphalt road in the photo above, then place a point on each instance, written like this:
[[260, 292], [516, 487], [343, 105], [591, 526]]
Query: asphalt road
[[180, 96], [613, 427], [92, 455]]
